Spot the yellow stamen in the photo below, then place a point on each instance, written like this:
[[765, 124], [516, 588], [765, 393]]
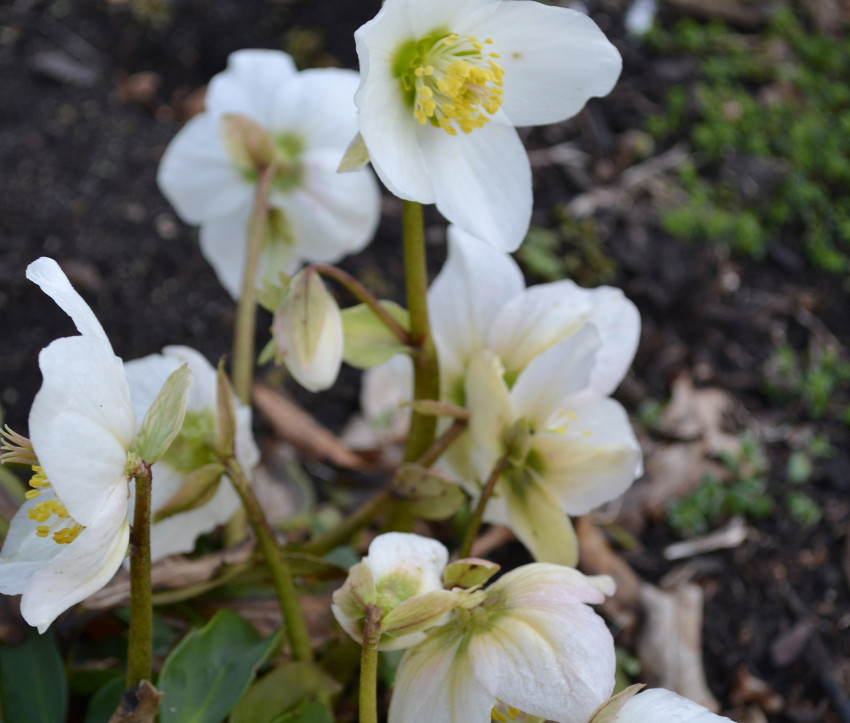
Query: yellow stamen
[[43, 511]]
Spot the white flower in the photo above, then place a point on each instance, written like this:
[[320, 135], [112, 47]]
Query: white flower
[[655, 705], [533, 644], [71, 534], [431, 68], [402, 577], [193, 447], [305, 120], [534, 367]]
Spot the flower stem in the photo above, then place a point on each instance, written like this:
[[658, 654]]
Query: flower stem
[[362, 294], [293, 616], [442, 443], [140, 646], [246, 313], [475, 522], [426, 379], [368, 699], [345, 530]]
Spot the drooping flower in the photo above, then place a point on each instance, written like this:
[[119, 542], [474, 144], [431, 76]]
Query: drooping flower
[[535, 368], [401, 578], [654, 705], [192, 449], [531, 643], [260, 111], [71, 534], [444, 82]]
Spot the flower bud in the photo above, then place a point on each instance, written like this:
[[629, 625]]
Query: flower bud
[[307, 329]]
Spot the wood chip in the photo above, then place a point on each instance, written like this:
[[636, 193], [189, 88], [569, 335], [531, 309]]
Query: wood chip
[[730, 535]]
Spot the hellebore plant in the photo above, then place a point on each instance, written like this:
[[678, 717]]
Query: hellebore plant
[[260, 113], [71, 535], [444, 83], [191, 495]]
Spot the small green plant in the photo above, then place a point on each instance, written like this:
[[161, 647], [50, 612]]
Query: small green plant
[[788, 119], [817, 381]]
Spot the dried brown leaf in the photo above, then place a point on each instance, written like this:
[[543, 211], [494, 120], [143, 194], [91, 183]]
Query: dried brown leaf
[[138, 705], [297, 427]]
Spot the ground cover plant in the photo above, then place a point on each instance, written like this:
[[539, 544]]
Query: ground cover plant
[[676, 316]]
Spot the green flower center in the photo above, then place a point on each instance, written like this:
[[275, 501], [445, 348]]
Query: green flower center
[[449, 80]]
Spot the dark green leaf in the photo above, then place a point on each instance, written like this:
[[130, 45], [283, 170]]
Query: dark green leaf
[[33, 688], [209, 671], [105, 702]]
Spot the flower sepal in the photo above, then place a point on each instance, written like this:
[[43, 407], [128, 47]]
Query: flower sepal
[[246, 141], [165, 417]]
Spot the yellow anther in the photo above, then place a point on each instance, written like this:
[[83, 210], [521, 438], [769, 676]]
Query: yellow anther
[[32, 494], [572, 415], [587, 433], [67, 534], [42, 530], [498, 716]]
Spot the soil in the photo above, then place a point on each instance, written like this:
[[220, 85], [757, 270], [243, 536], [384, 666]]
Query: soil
[[91, 93]]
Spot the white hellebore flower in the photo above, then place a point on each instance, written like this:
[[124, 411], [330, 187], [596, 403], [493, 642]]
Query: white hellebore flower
[[261, 111], [652, 706], [401, 579], [443, 84], [535, 368], [532, 644], [71, 534], [191, 450]]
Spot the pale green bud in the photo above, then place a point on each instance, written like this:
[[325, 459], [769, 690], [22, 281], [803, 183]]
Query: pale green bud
[[164, 419]]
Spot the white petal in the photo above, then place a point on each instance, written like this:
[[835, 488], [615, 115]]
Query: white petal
[[386, 122], [198, 177], [82, 423], [482, 181], [435, 682], [224, 243], [659, 704], [23, 553], [52, 281], [618, 322], [536, 519], [412, 555], [318, 106], [331, 214], [557, 663], [592, 459], [249, 84], [469, 291], [145, 378], [427, 15], [490, 408], [554, 60], [83, 567], [553, 377], [178, 533], [528, 324], [542, 585]]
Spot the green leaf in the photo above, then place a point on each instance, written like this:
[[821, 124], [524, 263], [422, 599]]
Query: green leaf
[[211, 668], [106, 701], [282, 691], [368, 341], [310, 713], [33, 688], [165, 417], [427, 493], [196, 490]]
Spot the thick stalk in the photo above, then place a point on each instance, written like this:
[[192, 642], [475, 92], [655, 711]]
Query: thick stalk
[[478, 514], [426, 379], [368, 699], [246, 311], [140, 646], [363, 295], [293, 617]]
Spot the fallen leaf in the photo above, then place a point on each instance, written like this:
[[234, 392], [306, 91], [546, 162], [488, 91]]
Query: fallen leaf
[[138, 705], [293, 424], [749, 689], [669, 644]]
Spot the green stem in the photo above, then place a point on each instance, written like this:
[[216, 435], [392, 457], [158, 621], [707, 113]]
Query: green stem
[[140, 646], [478, 514], [362, 294], [344, 531], [442, 443], [368, 699], [293, 616], [426, 380], [246, 313]]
